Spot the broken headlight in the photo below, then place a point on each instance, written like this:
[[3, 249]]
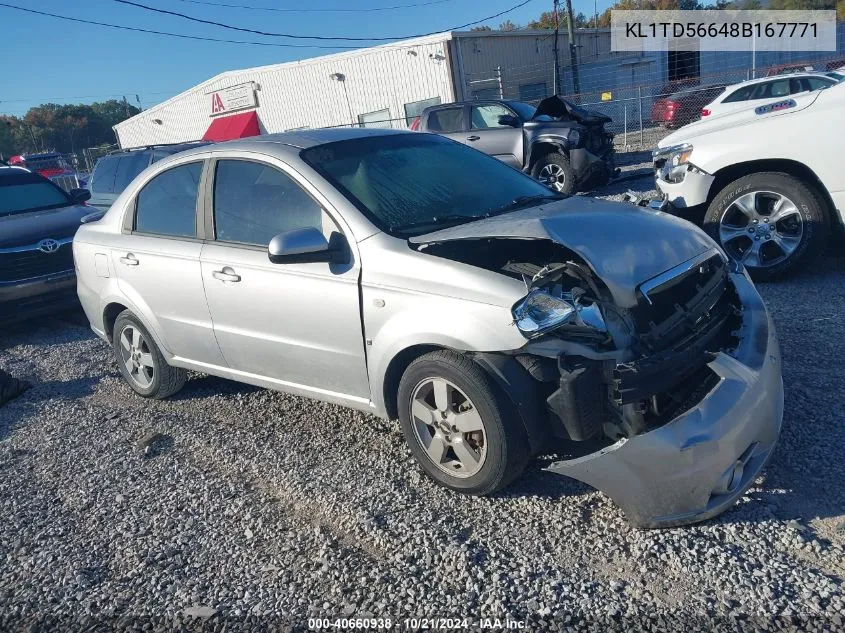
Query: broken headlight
[[539, 312], [675, 161]]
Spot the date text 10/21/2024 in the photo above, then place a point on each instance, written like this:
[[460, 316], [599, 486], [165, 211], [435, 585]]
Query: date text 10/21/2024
[[415, 624]]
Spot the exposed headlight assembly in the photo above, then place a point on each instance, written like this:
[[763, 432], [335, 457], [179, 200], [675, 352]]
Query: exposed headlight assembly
[[539, 312], [674, 167]]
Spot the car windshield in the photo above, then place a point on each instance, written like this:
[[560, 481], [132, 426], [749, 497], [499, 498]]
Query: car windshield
[[29, 192], [410, 184], [524, 110]]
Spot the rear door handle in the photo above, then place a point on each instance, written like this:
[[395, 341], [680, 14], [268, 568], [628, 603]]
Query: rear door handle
[[227, 274], [473, 138], [129, 260]]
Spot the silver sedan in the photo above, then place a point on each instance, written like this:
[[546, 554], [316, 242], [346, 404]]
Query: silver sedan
[[496, 319]]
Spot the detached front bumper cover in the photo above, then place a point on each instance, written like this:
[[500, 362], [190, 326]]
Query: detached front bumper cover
[[700, 463]]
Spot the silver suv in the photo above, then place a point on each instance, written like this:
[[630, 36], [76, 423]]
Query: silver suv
[[494, 318]]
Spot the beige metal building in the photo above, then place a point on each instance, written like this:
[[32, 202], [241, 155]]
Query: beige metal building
[[385, 85]]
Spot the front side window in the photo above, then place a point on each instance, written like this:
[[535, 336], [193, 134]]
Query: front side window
[[254, 202], [771, 90], [446, 120], [411, 184], [415, 108], [487, 116], [167, 205], [30, 192]]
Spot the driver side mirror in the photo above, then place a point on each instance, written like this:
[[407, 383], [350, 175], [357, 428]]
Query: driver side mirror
[[79, 195], [509, 120], [302, 246]]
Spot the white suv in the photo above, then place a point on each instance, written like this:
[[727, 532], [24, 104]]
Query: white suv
[[766, 182], [757, 92]]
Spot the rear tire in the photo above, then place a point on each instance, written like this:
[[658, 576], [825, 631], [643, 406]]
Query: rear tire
[[141, 362], [772, 222], [461, 429], [554, 170]]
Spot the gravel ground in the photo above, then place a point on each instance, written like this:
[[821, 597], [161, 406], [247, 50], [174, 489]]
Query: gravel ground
[[231, 507]]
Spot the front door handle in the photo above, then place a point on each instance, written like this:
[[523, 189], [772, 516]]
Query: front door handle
[[473, 138], [227, 274], [129, 260]]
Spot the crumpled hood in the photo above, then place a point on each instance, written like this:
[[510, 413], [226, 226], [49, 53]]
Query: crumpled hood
[[623, 244], [22, 229], [559, 108]]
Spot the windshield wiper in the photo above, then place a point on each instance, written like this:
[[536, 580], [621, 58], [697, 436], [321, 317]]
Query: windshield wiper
[[525, 201]]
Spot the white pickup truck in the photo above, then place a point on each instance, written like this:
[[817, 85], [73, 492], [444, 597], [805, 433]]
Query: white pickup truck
[[768, 183]]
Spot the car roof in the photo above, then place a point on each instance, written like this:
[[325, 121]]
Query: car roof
[[299, 139], [761, 80]]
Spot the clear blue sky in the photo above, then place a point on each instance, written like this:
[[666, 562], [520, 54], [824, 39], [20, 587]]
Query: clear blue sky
[[51, 60]]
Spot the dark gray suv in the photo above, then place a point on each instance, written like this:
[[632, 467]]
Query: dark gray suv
[[37, 223], [559, 143], [116, 170]]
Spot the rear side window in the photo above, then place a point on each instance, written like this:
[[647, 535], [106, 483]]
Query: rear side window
[[167, 205], [129, 166], [254, 202], [447, 120], [739, 95], [102, 180]]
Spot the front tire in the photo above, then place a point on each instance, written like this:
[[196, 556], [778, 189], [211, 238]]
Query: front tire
[[772, 222], [459, 426], [555, 171], [141, 362]]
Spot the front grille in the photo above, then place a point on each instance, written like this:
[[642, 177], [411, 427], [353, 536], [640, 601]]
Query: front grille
[[675, 304], [16, 266]]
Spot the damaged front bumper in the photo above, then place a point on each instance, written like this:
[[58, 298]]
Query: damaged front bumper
[[697, 465], [590, 169]]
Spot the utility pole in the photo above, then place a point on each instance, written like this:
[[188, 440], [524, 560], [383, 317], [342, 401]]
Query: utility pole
[[556, 79], [570, 28]]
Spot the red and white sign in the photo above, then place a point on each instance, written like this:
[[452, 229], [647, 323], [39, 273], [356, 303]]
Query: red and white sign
[[232, 99]]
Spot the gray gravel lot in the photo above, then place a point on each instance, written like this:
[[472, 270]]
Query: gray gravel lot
[[267, 509]]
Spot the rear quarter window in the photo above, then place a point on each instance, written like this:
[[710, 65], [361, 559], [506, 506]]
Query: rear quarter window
[[102, 180], [129, 166]]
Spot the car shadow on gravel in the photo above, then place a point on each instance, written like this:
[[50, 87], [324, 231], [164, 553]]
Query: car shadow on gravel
[[15, 411], [201, 386]]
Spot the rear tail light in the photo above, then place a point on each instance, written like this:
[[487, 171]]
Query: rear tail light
[[705, 112], [415, 124]]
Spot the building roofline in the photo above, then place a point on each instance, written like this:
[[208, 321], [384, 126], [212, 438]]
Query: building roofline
[[435, 38]]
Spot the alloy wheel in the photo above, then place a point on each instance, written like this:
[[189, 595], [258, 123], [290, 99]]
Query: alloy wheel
[[553, 176], [136, 356], [448, 427], [761, 228]]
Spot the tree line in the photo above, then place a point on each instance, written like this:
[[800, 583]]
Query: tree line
[[62, 128]]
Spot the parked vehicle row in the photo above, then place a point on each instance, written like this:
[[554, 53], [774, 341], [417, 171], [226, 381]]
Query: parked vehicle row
[[764, 182], [699, 102]]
